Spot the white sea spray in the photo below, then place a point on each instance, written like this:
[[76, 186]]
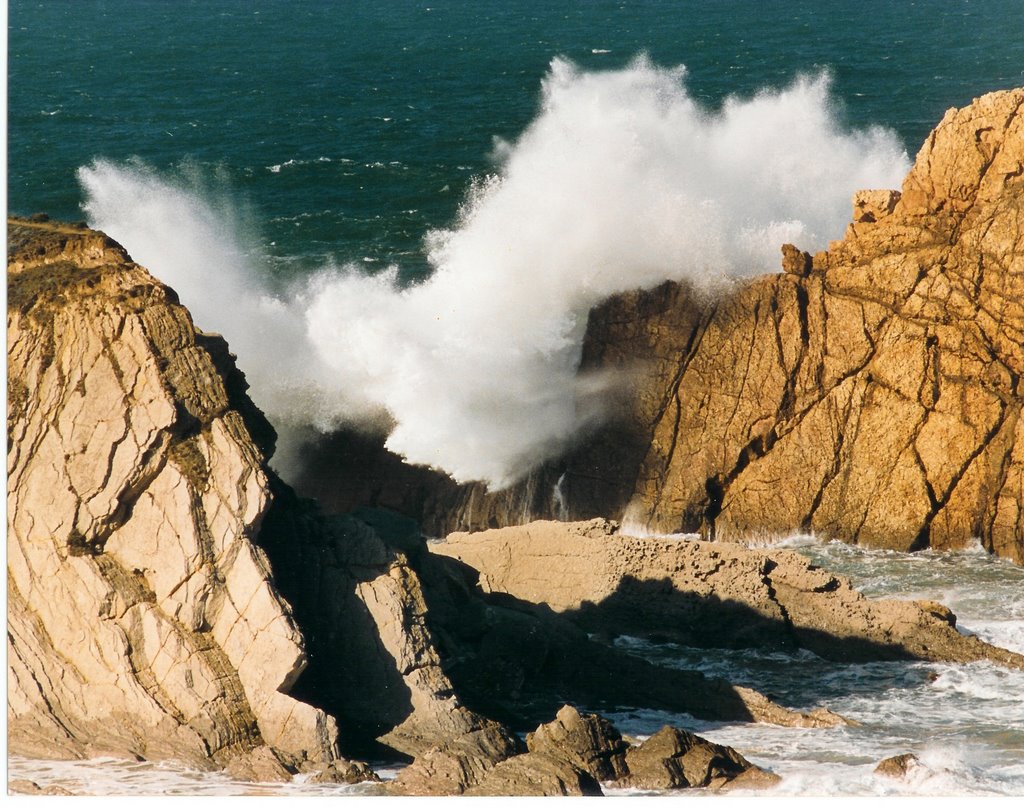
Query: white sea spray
[[621, 181]]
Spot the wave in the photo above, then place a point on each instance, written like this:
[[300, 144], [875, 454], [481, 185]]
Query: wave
[[622, 181]]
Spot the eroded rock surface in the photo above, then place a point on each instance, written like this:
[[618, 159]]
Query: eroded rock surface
[[141, 620], [145, 618], [870, 393], [707, 594], [159, 573]]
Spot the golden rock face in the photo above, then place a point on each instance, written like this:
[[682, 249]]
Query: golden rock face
[[871, 393]]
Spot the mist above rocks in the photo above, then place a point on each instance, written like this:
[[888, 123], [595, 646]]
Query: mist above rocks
[[622, 181]]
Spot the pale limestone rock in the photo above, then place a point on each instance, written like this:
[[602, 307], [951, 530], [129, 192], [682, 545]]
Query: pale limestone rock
[[142, 618]]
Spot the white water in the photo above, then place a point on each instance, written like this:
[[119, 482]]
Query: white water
[[621, 181], [964, 722]]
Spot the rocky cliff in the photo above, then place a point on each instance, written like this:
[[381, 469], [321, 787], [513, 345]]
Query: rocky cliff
[[870, 393], [141, 618], [170, 597]]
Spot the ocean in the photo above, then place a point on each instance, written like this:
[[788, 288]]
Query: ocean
[[402, 211]]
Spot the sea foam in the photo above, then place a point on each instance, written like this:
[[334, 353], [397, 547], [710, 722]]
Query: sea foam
[[621, 181]]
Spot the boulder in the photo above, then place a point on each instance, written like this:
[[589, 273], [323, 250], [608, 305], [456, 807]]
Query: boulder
[[673, 758], [589, 742], [458, 764], [898, 766], [260, 765], [536, 774]]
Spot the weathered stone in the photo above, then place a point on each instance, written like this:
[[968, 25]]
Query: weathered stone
[[142, 619], [707, 594], [458, 764], [673, 758], [536, 774], [30, 787], [145, 617], [346, 771], [260, 765], [898, 766], [589, 742], [871, 206]]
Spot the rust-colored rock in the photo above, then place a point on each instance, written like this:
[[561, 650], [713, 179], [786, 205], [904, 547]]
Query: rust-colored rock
[[872, 393]]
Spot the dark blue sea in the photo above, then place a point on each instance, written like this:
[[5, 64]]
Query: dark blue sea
[[380, 114], [400, 213]]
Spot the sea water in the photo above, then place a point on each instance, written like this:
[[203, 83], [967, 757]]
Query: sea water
[[401, 212]]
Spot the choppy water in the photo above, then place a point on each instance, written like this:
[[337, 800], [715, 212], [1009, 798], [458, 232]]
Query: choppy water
[[964, 722]]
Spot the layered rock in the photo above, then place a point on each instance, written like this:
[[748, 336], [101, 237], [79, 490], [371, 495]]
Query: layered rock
[[141, 615], [707, 594], [870, 393], [159, 572], [145, 618]]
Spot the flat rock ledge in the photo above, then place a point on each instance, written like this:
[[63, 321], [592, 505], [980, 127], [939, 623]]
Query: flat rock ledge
[[707, 594]]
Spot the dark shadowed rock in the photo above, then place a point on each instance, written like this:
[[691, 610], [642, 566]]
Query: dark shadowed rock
[[589, 742]]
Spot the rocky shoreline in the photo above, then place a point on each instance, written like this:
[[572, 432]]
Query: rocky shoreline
[[170, 597]]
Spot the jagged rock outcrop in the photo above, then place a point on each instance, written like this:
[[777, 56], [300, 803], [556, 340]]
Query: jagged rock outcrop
[[141, 619], [145, 617], [707, 594], [673, 758], [577, 752], [159, 572], [870, 393]]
